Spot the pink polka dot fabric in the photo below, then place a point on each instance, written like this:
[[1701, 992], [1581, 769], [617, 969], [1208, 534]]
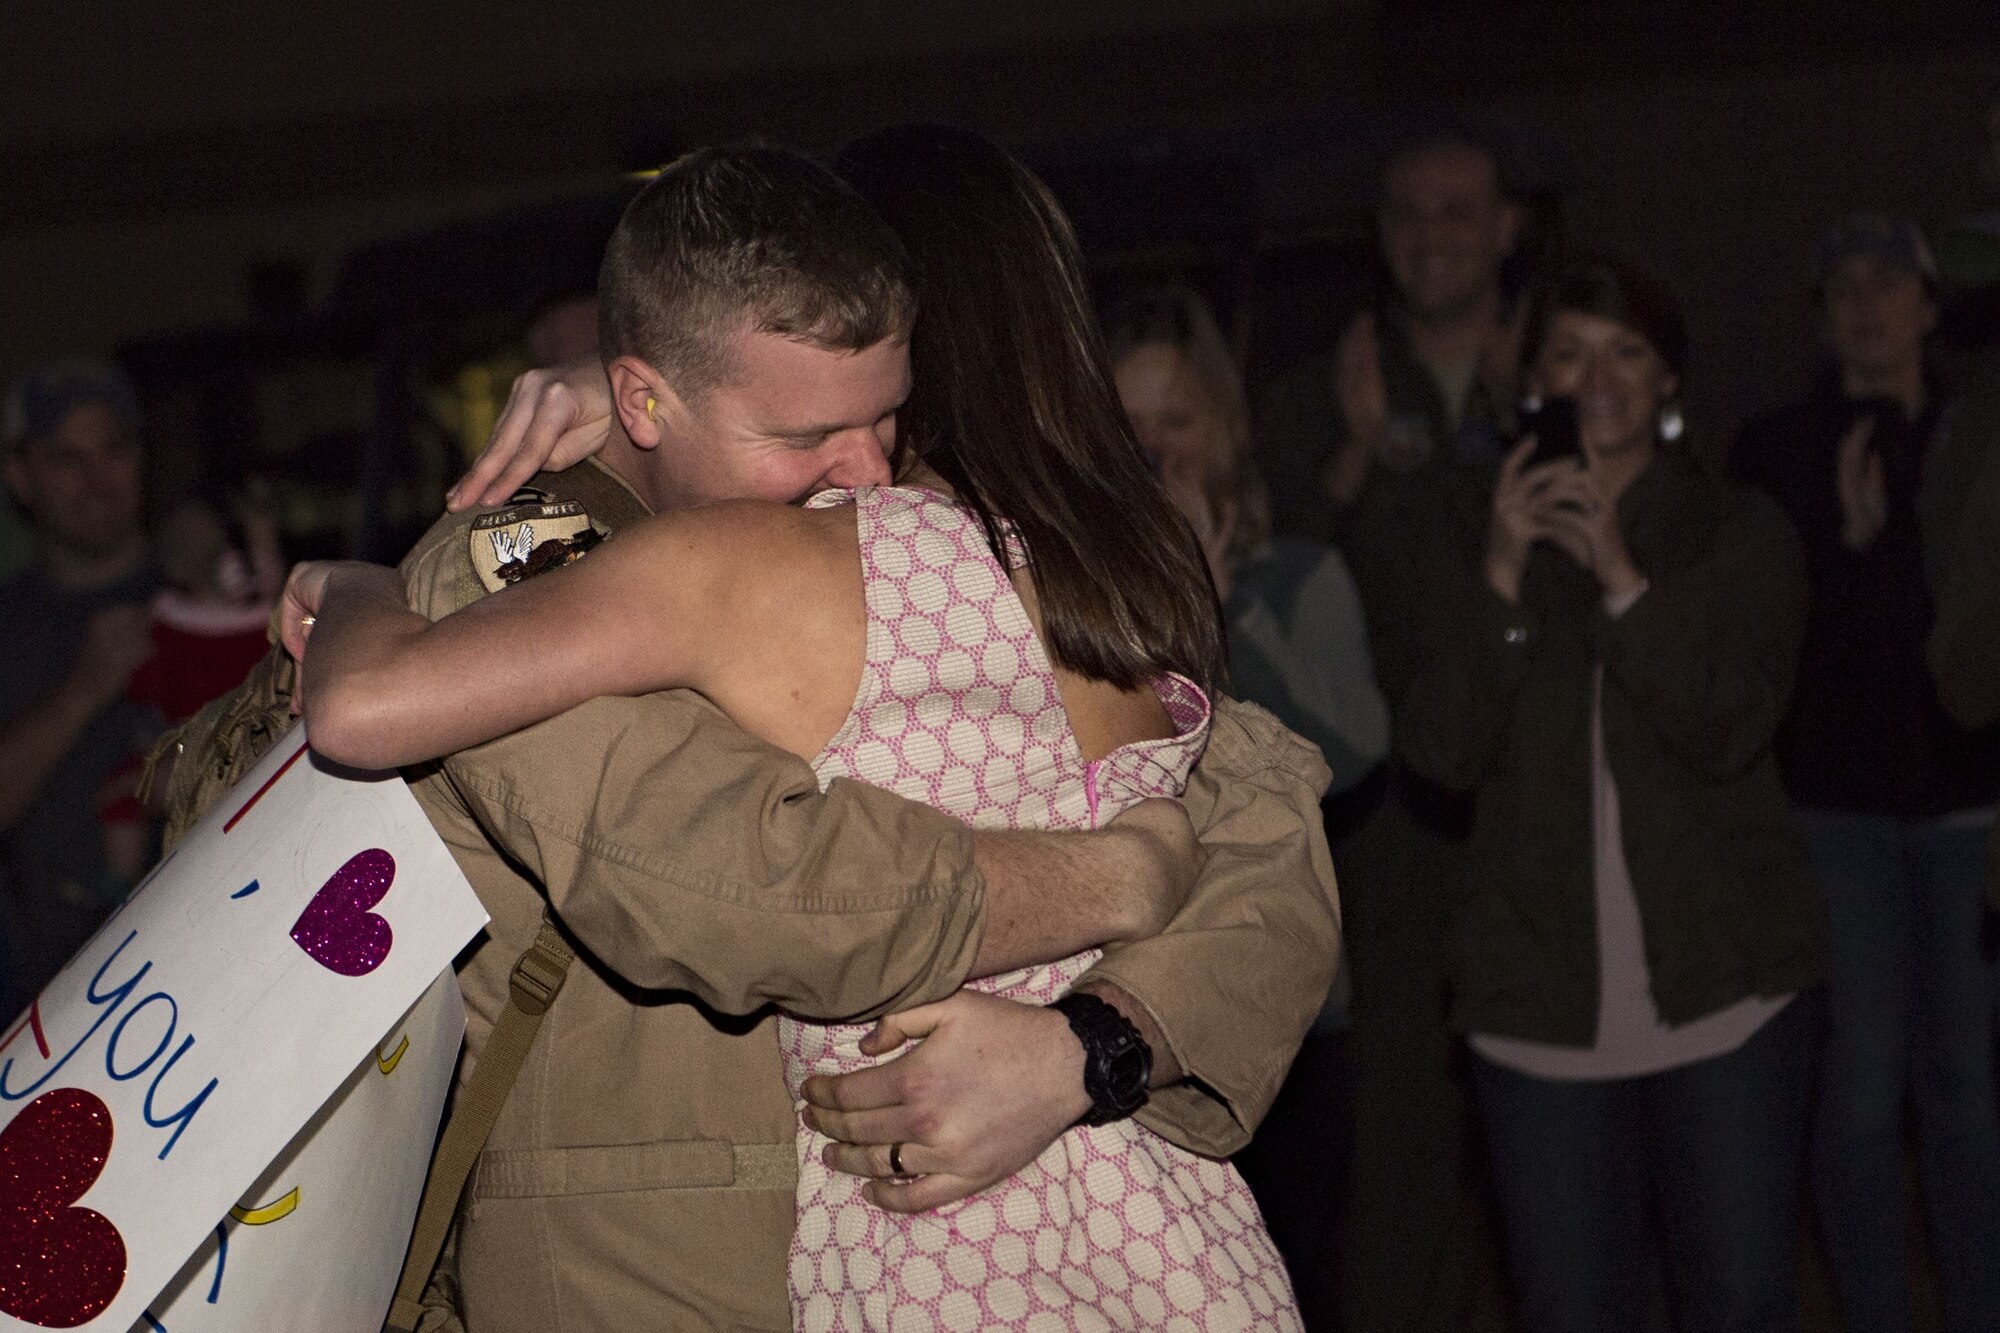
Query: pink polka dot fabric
[[1112, 1227]]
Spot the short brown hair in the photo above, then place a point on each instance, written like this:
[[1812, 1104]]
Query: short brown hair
[[1612, 287], [749, 231]]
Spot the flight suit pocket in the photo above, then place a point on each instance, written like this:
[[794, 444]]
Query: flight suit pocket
[[540, 1173], [669, 1235], [544, 1173]]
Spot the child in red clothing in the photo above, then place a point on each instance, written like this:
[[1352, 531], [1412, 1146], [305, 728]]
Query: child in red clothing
[[208, 631], [208, 624]]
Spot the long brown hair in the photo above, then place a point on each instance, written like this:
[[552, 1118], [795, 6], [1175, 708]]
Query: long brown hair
[[1014, 406]]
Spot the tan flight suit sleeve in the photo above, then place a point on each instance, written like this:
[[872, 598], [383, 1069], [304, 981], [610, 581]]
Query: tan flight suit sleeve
[[684, 854], [1235, 981]]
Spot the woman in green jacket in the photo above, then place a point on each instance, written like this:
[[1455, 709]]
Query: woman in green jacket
[[1641, 921]]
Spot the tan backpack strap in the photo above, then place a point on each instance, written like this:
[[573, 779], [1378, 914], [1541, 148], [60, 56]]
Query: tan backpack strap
[[538, 977]]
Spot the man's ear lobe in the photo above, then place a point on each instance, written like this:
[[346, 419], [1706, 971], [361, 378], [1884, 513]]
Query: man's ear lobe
[[641, 399]]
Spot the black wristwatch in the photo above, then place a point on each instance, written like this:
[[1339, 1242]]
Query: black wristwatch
[[1117, 1062]]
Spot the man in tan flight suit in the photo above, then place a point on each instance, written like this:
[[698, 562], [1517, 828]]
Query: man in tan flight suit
[[641, 1173]]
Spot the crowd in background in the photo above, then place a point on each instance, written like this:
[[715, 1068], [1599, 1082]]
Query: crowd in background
[[1663, 791], [1671, 882]]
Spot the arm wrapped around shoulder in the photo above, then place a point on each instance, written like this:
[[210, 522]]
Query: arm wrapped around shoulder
[[685, 854]]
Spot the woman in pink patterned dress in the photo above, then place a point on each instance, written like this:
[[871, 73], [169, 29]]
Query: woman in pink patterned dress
[[1019, 632]]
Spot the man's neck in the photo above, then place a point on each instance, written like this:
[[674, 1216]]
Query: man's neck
[[1458, 336], [627, 462], [1903, 383], [86, 572]]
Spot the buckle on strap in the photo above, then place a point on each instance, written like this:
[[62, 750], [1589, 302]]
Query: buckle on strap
[[539, 974]]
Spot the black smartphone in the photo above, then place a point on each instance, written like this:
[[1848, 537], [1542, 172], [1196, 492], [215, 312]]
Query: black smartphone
[[1553, 425]]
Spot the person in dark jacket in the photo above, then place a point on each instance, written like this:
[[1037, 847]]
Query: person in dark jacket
[[1896, 797], [1641, 923]]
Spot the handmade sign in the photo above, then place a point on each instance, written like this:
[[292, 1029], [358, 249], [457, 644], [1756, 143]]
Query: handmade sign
[[150, 1085], [318, 1240]]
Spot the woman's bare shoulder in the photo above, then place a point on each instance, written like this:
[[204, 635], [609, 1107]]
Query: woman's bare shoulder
[[753, 571], [752, 541], [777, 592]]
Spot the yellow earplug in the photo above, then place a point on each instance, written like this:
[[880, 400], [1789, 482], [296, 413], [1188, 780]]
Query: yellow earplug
[[649, 408]]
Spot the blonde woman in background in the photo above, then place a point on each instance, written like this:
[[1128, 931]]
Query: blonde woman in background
[[1296, 640]]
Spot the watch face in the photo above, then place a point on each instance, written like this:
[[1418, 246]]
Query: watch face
[[1125, 1075], [1116, 1062]]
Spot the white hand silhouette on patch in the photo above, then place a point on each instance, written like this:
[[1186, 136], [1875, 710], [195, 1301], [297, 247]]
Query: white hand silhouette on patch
[[515, 546]]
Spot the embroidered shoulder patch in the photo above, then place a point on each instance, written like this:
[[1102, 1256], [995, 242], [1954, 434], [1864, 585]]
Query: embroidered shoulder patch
[[509, 544]]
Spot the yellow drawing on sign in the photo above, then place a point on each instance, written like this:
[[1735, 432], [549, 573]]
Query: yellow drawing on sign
[[388, 1066], [270, 1212]]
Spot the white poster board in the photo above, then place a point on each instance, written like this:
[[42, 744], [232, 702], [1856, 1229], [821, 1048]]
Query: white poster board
[[152, 1082], [318, 1241]]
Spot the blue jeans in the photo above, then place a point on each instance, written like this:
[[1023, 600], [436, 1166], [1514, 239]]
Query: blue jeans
[[1910, 1013], [1715, 1150]]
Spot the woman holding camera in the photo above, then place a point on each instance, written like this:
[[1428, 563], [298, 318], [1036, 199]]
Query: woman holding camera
[[1641, 920]]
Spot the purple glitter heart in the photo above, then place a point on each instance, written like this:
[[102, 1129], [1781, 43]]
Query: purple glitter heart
[[337, 930]]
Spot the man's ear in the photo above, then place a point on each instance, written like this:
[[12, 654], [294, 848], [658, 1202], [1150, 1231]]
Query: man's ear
[[642, 400]]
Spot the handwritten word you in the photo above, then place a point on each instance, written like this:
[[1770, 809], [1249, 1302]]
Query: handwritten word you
[[154, 1018]]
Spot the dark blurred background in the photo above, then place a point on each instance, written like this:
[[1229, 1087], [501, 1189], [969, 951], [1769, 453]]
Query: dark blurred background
[[316, 236], [324, 239]]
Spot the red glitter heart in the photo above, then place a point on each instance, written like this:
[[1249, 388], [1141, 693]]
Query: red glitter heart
[[337, 930], [59, 1266]]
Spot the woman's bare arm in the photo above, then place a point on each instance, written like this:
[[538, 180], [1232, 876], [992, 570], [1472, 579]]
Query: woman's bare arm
[[669, 603]]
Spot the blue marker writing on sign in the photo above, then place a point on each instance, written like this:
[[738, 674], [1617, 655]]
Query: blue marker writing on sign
[[117, 1046]]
